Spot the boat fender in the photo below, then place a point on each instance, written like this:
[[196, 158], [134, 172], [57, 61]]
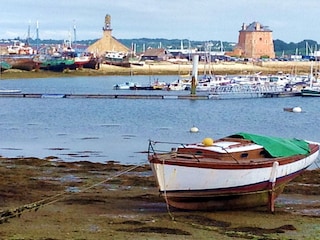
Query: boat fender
[[194, 129], [296, 109], [207, 142]]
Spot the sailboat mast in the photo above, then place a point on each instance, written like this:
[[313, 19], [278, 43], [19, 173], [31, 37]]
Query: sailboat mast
[[74, 35], [195, 61], [37, 31], [311, 75]]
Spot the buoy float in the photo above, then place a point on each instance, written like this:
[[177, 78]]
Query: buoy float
[[194, 129], [296, 109], [207, 142]]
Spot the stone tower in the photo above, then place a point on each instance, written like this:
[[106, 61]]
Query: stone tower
[[107, 42], [107, 23], [255, 41]]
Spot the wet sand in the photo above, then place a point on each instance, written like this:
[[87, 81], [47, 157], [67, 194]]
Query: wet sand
[[51, 199]]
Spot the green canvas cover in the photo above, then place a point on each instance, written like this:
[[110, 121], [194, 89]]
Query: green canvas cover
[[278, 147]]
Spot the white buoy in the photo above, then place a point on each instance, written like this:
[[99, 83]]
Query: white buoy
[[194, 129], [297, 109]]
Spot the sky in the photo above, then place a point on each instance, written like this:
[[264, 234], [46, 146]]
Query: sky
[[203, 20]]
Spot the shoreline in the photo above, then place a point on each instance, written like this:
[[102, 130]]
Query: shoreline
[[166, 68], [85, 200]]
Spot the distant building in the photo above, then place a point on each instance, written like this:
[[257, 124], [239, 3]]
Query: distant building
[[107, 43], [156, 54], [255, 41]]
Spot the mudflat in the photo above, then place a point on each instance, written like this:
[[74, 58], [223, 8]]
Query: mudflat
[[49, 199]]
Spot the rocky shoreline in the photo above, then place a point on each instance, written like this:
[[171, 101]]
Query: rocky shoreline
[[51, 199]]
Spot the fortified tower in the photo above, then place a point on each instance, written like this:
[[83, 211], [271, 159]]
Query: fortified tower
[[255, 41]]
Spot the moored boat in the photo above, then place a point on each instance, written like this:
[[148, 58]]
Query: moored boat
[[119, 59], [9, 91], [310, 92], [156, 85], [4, 66], [239, 171], [126, 85], [20, 61], [180, 85], [54, 63]]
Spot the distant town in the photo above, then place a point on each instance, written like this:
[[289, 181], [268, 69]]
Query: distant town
[[255, 43], [303, 48]]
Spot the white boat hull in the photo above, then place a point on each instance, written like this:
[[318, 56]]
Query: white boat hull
[[204, 185], [181, 178]]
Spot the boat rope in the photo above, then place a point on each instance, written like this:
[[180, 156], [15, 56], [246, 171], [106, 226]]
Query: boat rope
[[7, 214], [317, 162], [229, 154], [165, 194], [151, 143]]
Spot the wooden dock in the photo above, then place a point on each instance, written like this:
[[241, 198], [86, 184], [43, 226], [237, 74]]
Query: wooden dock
[[104, 96], [144, 96]]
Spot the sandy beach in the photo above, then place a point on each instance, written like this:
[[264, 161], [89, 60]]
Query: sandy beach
[[49, 199]]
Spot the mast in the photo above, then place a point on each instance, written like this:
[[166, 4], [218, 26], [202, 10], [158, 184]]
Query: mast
[[28, 37], [74, 35], [195, 61], [37, 31], [311, 75]]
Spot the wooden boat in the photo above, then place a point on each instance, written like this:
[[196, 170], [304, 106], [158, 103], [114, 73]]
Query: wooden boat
[[4, 66], [87, 60], [57, 64], [20, 61], [117, 59], [239, 171], [54, 63], [19, 48]]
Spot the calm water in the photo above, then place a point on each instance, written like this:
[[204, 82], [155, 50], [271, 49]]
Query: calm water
[[99, 130]]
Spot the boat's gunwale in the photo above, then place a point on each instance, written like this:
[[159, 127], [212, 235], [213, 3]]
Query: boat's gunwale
[[205, 162]]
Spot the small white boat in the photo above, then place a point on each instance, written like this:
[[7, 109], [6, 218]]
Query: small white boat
[[180, 85], [126, 85], [5, 91], [239, 171]]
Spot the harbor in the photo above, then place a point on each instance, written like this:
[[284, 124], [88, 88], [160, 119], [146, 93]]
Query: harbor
[[52, 106], [221, 94], [150, 124]]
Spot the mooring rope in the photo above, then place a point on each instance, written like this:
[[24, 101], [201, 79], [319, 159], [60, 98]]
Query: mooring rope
[[6, 214], [165, 193]]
